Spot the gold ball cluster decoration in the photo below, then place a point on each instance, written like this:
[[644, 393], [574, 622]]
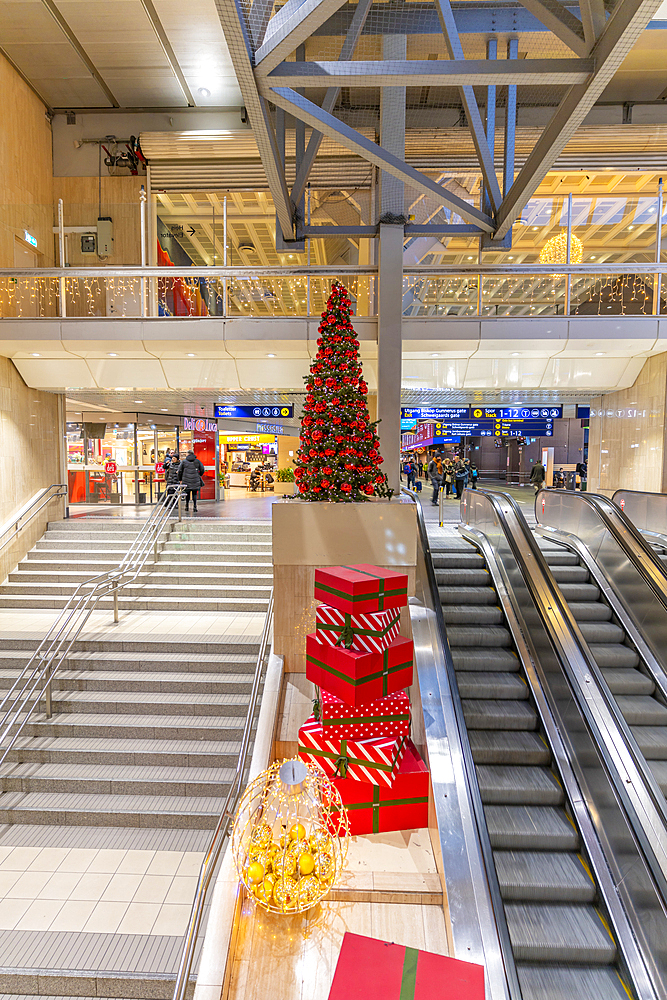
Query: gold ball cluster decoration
[[290, 837], [554, 250]]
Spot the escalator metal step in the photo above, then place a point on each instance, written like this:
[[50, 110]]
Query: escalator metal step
[[485, 684], [652, 741], [560, 558], [624, 681], [530, 828], [614, 655], [544, 877], [590, 611], [497, 747], [553, 933], [580, 591], [659, 768], [601, 632], [481, 714], [463, 577], [458, 560], [485, 659], [467, 595], [493, 636], [555, 982], [638, 710], [569, 574], [472, 614], [502, 784]]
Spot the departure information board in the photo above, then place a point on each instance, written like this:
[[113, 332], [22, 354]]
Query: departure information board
[[446, 413]]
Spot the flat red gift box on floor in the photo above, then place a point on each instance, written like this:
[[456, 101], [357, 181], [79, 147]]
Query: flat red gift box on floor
[[388, 716], [375, 761], [369, 969], [372, 631], [404, 806], [361, 588], [359, 678]]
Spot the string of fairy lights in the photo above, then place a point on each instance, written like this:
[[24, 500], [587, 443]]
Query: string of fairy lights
[[438, 296]]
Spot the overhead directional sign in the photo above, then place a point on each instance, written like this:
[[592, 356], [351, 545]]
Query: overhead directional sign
[[481, 412], [496, 428], [255, 412], [435, 412]]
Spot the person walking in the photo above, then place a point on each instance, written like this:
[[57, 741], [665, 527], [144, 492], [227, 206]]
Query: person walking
[[171, 477], [537, 476], [459, 478], [435, 475], [466, 462], [190, 472], [448, 476], [474, 475], [411, 473]]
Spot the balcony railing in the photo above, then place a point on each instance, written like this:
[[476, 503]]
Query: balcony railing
[[527, 290]]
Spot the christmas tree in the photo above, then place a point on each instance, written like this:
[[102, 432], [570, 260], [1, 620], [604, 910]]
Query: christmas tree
[[339, 458]]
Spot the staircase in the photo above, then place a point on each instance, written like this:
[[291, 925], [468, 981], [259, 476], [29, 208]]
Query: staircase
[[146, 725]]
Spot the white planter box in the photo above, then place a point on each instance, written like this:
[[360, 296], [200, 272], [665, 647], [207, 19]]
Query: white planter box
[[285, 489]]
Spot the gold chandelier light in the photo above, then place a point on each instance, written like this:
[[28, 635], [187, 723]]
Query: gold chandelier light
[[554, 250]]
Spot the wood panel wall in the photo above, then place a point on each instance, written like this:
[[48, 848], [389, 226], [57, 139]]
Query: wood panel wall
[[26, 168], [81, 207]]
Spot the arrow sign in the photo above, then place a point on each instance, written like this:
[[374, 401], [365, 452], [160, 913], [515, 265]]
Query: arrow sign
[[191, 231]]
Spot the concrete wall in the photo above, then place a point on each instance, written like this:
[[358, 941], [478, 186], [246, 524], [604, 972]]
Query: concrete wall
[[626, 442], [26, 182], [30, 458]]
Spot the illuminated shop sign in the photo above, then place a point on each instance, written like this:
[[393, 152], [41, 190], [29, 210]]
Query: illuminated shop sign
[[254, 411], [199, 424]]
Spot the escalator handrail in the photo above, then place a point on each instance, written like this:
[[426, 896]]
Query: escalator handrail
[[559, 621], [627, 537], [617, 499], [502, 929]]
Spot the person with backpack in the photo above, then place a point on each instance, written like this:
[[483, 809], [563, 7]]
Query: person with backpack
[[460, 475], [474, 475], [537, 476], [190, 473]]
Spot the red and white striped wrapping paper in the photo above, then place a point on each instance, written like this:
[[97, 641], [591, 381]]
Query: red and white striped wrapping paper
[[373, 761], [388, 716], [372, 631]]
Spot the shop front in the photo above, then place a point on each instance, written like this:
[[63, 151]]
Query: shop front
[[248, 461]]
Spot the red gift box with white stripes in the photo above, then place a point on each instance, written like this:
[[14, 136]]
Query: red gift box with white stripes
[[373, 761], [388, 716], [371, 632]]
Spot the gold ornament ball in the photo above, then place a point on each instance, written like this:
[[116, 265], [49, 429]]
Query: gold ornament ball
[[310, 889], [264, 892], [285, 892], [255, 872], [306, 863], [298, 832], [320, 840], [325, 866], [284, 864], [261, 835]]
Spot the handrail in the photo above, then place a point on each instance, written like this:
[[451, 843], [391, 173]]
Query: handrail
[[504, 942], [647, 511], [14, 522], [222, 831], [35, 680]]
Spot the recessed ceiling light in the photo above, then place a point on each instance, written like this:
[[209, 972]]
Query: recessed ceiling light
[[271, 355], [138, 400], [164, 409], [631, 227], [205, 92], [35, 355], [598, 354], [535, 228], [592, 258], [510, 258], [112, 355], [515, 354], [469, 258], [192, 355]]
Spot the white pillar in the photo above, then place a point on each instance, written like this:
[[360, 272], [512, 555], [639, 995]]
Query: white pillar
[[390, 299]]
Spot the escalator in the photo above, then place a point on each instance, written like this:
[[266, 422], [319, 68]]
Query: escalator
[[558, 929]]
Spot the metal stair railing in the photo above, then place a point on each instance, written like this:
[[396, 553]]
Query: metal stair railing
[[34, 682], [222, 831], [25, 515]]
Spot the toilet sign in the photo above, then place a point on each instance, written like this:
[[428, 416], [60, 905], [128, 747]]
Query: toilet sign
[[110, 468], [622, 503]]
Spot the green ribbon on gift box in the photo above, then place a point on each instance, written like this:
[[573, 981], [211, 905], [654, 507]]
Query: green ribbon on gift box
[[375, 804], [381, 594], [357, 681], [346, 637], [342, 761], [409, 978]]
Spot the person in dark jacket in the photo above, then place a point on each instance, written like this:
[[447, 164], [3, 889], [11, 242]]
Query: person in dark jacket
[[190, 473], [171, 476], [537, 476], [435, 475], [460, 476]]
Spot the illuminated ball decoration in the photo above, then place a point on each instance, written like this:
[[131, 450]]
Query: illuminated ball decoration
[[290, 838], [554, 250]]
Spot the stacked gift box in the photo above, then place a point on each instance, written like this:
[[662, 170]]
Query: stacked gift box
[[359, 733]]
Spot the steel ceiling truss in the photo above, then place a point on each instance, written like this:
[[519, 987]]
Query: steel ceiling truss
[[599, 41]]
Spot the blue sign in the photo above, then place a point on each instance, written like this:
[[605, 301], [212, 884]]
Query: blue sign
[[496, 428], [583, 411], [255, 412], [409, 424], [435, 412], [517, 412]]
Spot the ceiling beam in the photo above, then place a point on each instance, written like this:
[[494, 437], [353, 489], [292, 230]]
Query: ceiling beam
[[298, 20], [469, 101], [622, 30], [561, 21], [428, 73], [593, 19], [170, 55], [233, 26], [80, 51], [330, 98], [324, 122], [259, 17]]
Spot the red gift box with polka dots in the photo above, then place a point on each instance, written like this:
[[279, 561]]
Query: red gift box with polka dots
[[388, 716]]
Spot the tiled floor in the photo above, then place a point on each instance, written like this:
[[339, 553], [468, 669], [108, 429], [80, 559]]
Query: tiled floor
[[98, 891], [238, 505]]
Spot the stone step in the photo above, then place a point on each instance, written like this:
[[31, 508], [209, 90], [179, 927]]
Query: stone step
[[139, 603], [147, 586], [170, 646], [158, 704], [221, 665], [112, 750], [149, 727], [111, 779], [81, 809], [152, 574], [136, 681], [232, 558]]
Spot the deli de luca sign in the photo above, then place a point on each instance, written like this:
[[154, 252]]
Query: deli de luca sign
[[199, 424]]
